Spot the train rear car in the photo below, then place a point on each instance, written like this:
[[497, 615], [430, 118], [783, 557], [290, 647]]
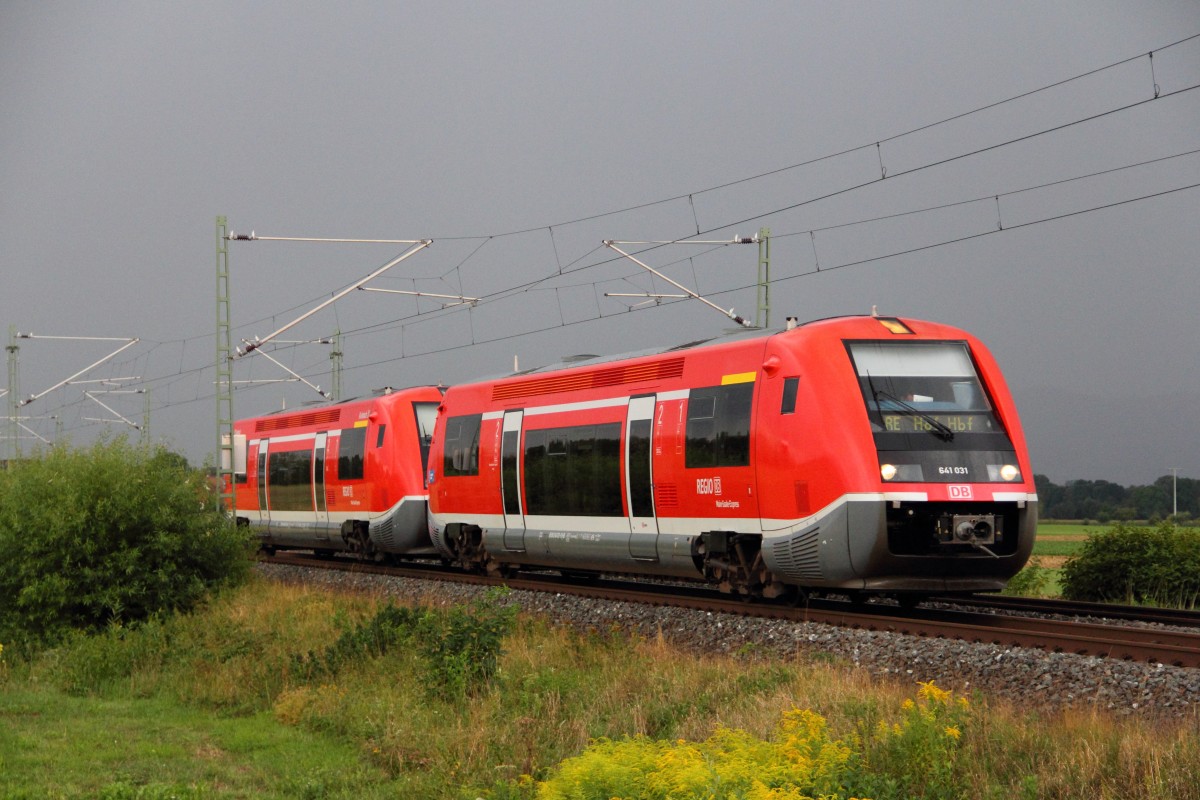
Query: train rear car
[[856, 455], [348, 476]]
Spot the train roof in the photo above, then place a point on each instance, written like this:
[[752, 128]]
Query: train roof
[[570, 362], [320, 405]]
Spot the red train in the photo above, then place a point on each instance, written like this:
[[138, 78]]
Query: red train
[[856, 455], [348, 476]]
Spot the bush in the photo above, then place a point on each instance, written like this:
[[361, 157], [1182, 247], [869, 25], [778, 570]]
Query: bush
[[1029, 582], [917, 756], [801, 760], [114, 533], [1159, 565], [461, 647]]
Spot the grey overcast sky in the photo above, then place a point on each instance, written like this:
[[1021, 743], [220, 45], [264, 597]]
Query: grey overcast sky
[[508, 132]]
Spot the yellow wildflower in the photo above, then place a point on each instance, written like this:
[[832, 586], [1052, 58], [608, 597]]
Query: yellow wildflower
[[953, 732], [933, 694]]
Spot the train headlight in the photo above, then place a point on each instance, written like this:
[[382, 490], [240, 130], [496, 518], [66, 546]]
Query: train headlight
[[1006, 473], [901, 473]]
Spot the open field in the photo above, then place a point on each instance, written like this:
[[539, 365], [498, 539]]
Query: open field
[[1057, 542]]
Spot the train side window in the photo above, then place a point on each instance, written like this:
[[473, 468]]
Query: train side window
[[350, 453], [379, 438], [790, 387], [718, 426], [290, 481], [574, 471], [461, 452]]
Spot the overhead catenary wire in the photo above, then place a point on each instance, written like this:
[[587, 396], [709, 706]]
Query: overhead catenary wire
[[513, 291], [183, 373], [474, 342], [454, 348]]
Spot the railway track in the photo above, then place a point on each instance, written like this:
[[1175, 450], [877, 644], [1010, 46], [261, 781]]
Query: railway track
[[1073, 608], [1113, 638]]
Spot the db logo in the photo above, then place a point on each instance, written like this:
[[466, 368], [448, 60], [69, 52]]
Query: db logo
[[960, 492]]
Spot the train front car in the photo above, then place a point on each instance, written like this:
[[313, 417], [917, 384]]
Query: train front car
[[857, 455], [343, 477], [891, 461]]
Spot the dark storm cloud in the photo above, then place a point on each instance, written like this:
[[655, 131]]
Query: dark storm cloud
[[129, 127]]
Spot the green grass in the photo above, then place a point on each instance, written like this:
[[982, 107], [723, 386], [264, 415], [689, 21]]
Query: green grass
[[1056, 540], [1056, 547], [1057, 529], [215, 704], [56, 746]]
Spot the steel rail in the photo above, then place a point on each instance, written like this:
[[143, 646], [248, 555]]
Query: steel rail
[[1076, 608]]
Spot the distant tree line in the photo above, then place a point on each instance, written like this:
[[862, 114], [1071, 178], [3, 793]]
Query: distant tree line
[[1104, 501]]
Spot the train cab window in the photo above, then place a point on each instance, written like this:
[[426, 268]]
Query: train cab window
[[790, 387], [925, 395], [350, 453], [461, 451], [426, 414], [379, 438], [718, 426]]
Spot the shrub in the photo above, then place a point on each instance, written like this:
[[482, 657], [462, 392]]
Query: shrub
[[461, 647], [916, 756], [115, 533], [799, 761], [371, 639], [1029, 582], [1140, 565]]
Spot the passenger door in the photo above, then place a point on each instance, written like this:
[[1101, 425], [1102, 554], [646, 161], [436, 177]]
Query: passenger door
[[320, 502], [510, 481], [639, 479], [264, 513]]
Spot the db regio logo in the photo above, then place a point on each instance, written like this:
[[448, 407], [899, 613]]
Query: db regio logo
[[960, 492]]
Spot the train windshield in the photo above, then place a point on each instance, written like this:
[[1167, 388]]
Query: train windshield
[[426, 414], [926, 396]]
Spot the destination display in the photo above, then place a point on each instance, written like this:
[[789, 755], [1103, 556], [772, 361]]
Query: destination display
[[958, 423]]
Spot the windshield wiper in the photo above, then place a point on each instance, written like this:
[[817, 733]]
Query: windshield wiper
[[938, 428]]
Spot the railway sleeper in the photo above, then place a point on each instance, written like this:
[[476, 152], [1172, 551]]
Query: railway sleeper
[[734, 562]]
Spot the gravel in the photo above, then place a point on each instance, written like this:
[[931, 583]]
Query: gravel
[[1022, 675]]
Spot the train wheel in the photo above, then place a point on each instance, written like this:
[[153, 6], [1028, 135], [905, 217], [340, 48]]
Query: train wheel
[[499, 570], [796, 597], [466, 543], [357, 538]]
